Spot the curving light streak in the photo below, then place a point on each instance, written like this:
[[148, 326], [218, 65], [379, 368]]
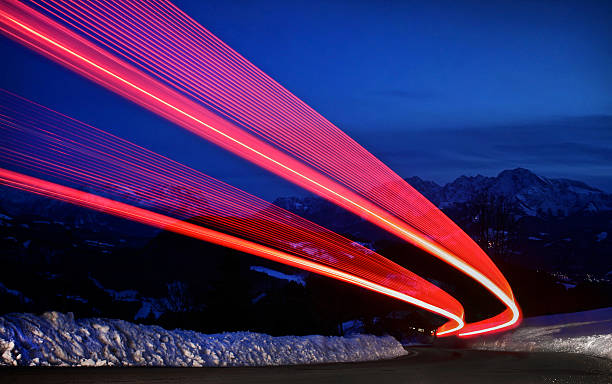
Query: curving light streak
[[102, 204], [425, 227], [38, 139]]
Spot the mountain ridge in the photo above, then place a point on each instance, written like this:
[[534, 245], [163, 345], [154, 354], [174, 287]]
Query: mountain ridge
[[535, 195]]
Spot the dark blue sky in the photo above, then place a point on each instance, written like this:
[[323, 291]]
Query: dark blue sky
[[435, 90]]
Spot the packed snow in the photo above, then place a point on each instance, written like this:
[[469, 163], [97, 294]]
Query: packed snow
[[279, 275], [588, 333], [56, 339]]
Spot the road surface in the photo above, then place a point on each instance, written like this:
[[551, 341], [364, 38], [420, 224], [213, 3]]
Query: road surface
[[422, 365]]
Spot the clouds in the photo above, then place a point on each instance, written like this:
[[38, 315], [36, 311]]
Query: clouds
[[577, 147], [381, 71], [578, 153]]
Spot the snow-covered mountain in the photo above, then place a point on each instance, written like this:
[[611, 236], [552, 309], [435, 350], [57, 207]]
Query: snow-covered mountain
[[534, 195], [60, 257], [566, 223]]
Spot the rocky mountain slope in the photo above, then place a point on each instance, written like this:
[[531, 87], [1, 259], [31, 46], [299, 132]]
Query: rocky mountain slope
[[535, 195], [553, 224]]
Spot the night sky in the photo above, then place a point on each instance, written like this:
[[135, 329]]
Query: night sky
[[435, 90]]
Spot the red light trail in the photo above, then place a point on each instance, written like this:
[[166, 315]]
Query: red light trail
[[35, 138], [102, 204], [175, 67], [144, 216]]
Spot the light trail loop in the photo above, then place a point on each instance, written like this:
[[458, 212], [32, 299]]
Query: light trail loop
[[102, 204], [37, 139], [274, 129]]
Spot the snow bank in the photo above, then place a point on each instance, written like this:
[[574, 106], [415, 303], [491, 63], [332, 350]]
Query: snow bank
[[58, 339], [587, 332]]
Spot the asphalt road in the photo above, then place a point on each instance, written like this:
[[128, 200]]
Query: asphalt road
[[422, 365]]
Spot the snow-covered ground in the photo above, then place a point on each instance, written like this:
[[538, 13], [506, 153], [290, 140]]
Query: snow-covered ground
[[59, 339], [588, 332], [298, 279]]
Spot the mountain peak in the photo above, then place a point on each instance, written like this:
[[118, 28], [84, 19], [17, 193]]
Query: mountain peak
[[533, 193], [522, 172]]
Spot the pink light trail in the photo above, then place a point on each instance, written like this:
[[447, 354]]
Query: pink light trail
[[37, 139], [235, 105]]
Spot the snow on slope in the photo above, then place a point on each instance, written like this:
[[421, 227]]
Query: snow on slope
[[587, 333], [59, 339], [279, 275], [534, 194]]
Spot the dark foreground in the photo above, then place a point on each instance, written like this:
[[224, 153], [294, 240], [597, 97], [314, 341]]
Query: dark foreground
[[423, 365]]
